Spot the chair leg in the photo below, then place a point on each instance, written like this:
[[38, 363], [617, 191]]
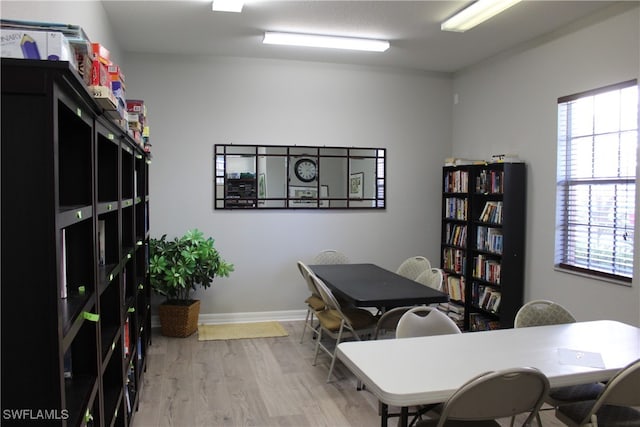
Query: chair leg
[[315, 357], [306, 322], [335, 350]]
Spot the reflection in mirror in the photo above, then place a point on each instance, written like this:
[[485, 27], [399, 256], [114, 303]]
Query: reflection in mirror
[[298, 177]]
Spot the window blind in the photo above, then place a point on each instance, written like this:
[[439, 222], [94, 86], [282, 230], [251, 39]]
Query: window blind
[[596, 181]]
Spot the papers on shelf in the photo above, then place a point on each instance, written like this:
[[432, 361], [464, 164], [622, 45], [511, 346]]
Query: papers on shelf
[[591, 359]]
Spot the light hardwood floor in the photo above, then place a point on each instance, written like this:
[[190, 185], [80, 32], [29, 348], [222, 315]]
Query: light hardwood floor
[[255, 382]]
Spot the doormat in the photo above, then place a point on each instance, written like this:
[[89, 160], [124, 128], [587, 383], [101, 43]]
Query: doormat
[[235, 331]]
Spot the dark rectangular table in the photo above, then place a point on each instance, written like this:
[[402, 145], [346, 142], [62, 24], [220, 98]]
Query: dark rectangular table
[[367, 285]]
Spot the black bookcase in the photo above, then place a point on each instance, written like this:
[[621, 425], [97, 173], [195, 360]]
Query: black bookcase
[[75, 290], [483, 241]]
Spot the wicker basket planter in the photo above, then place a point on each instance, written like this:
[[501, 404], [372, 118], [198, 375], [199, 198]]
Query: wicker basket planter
[[179, 320]]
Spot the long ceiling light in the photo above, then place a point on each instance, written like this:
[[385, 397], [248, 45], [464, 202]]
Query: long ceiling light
[[227, 6], [475, 14], [312, 40]]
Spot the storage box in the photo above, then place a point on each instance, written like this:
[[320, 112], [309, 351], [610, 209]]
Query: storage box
[[58, 48], [101, 53], [136, 106], [23, 44], [99, 74]]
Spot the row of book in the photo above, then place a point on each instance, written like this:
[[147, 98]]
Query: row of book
[[486, 297], [486, 269], [456, 235], [456, 182], [489, 239], [489, 181], [454, 311], [455, 287], [454, 260], [455, 208], [479, 322], [492, 212]]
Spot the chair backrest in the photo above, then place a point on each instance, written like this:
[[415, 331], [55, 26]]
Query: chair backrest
[[330, 301], [433, 278], [497, 394], [425, 321], [389, 320], [621, 390], [330, 256], [412, 267], [542, 312], [306, 273]]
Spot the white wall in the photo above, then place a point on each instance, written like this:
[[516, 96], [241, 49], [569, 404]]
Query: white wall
[[510, 106], [195, 102]]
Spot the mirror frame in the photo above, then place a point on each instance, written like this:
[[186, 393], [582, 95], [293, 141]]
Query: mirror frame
[[364, 169]]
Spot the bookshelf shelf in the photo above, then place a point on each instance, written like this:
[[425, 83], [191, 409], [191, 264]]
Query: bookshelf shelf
[[482, 245], [69, 177]]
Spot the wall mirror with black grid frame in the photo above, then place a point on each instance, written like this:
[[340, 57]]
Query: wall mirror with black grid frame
[[298, 177]]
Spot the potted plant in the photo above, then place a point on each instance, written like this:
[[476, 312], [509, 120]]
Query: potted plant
[[177, 268]]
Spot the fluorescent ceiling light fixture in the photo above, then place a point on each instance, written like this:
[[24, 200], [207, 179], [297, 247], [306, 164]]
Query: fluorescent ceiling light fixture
[[312, 40], [475, 14], [227, 5]]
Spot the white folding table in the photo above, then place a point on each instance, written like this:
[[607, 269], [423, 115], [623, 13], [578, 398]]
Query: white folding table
[[415, 371]]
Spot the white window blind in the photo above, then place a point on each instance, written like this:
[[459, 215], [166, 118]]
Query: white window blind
[[596, 181]]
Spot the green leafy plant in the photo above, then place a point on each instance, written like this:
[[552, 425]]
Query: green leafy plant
[[177, 267]]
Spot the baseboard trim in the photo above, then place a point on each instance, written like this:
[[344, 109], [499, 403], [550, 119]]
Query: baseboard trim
[[262, 316]]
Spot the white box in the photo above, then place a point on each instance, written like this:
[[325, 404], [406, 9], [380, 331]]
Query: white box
[[23, 44], [58, 47]]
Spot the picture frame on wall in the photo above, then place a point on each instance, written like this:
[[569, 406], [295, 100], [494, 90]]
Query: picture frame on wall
[[356, 181]]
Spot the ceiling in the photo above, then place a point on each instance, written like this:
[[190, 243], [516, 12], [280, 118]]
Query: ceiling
[[412, 28]]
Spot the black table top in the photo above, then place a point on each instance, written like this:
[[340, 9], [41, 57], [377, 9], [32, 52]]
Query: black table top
[[367, 285]]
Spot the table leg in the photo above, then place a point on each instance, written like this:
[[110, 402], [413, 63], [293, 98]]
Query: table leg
[[384, 414], [404, 417]]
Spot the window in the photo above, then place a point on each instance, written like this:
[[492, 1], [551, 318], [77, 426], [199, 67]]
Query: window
[[596, 181]]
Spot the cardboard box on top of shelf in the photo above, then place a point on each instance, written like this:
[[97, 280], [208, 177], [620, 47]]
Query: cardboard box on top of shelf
[[23, 44], [58, 48], [136, 106], [101, 53]]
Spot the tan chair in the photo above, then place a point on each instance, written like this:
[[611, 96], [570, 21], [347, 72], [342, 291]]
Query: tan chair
[[433, 278], [614, 405], [314, 301], [339, 323], [483, 399], [425, 321], [330, 256], [544, 312], [412, 267]]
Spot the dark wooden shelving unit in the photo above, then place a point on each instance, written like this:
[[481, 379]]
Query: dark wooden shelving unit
[[75, 231], [483, 252]]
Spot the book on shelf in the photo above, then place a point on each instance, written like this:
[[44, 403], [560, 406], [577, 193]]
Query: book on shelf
[[486, 297], [478, 322], [492, 212], [486, 269], [489, 239], [455, 287], [489, 182]]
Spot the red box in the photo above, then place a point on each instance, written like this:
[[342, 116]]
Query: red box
[[135, 106], [115, 74], [101, 53], [99, 74]]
